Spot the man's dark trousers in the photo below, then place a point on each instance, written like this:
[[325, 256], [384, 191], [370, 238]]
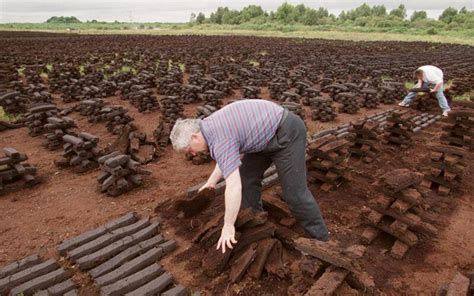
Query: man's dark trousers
[[287, 151]]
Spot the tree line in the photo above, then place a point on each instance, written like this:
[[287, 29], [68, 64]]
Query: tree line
[[364, 15]]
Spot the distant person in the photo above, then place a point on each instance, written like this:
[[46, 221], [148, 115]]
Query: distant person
[[265, 133], [430, 77]]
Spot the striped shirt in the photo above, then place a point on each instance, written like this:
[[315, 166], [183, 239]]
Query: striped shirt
[[246, 126]]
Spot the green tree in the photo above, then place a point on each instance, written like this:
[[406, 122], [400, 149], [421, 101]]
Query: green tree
[[63, 19], [192, 18], [363, 10], [201, 17], [400, 11], [342, 16], [298, 12], [216, 17], [311, 17], [379, 10], [250, 12], [285, 13], [323, 12], [448, 15], [418, 15], [231, 17]]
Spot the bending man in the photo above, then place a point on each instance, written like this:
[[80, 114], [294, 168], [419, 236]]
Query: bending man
[[265, 133], [429, 77]]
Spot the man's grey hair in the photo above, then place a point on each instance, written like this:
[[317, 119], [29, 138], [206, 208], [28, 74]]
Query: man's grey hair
[[181, 133]]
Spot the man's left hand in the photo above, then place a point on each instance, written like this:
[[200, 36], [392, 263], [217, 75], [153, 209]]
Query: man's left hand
[[227, 237]]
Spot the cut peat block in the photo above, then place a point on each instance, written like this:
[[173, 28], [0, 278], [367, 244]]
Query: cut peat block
[[121, 256]]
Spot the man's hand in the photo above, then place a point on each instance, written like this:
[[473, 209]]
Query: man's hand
[[207, 185], [227, 237]]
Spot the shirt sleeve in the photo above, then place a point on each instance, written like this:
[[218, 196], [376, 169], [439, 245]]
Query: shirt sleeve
[[226, 153]]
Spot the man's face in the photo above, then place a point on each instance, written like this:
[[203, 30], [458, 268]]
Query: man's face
[[197, 144]]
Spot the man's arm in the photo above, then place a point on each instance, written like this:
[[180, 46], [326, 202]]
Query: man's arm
[[215, 177], [437, 87], [233, 198], [418, 84]]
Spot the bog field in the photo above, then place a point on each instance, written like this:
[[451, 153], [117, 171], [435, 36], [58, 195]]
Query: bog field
[[94, 200]]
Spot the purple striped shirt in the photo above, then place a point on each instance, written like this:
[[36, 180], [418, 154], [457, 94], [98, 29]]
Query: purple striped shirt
[[245, 126]]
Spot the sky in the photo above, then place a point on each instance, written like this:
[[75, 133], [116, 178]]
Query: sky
[[180, 10]]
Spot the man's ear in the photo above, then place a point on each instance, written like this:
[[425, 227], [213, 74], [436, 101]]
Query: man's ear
[[194, 136]]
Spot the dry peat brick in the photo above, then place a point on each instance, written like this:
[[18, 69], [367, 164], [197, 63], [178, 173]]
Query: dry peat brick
[[106, 239], [20, 265], [124, 256], [41, 282], [130, 267], [133, 281], [28, 274], [154, 287], [93, 259], [85, 237]]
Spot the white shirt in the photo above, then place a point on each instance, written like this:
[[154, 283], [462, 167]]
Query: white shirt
[[432, 74]]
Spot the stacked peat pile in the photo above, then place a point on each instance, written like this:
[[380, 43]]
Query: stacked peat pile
[[399, 128], [171, 109], [424, 102], [335, 89], [370, 98], [389, 95], [14, 102], [143, 99], [116, 118], [12, 169], [80, 152], [37, 117], [398, 212], [121, 257], [365, 140], [205, 111], [310, 93], [349, 102], [276, 89], [295, 108], [459, 129], [190, 93], [251, 92], [91, 108], [447, 165], [119, 174], [326, 161], [213, 98], [290, 97], [322, 109], [162, 133], [56, 128]]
